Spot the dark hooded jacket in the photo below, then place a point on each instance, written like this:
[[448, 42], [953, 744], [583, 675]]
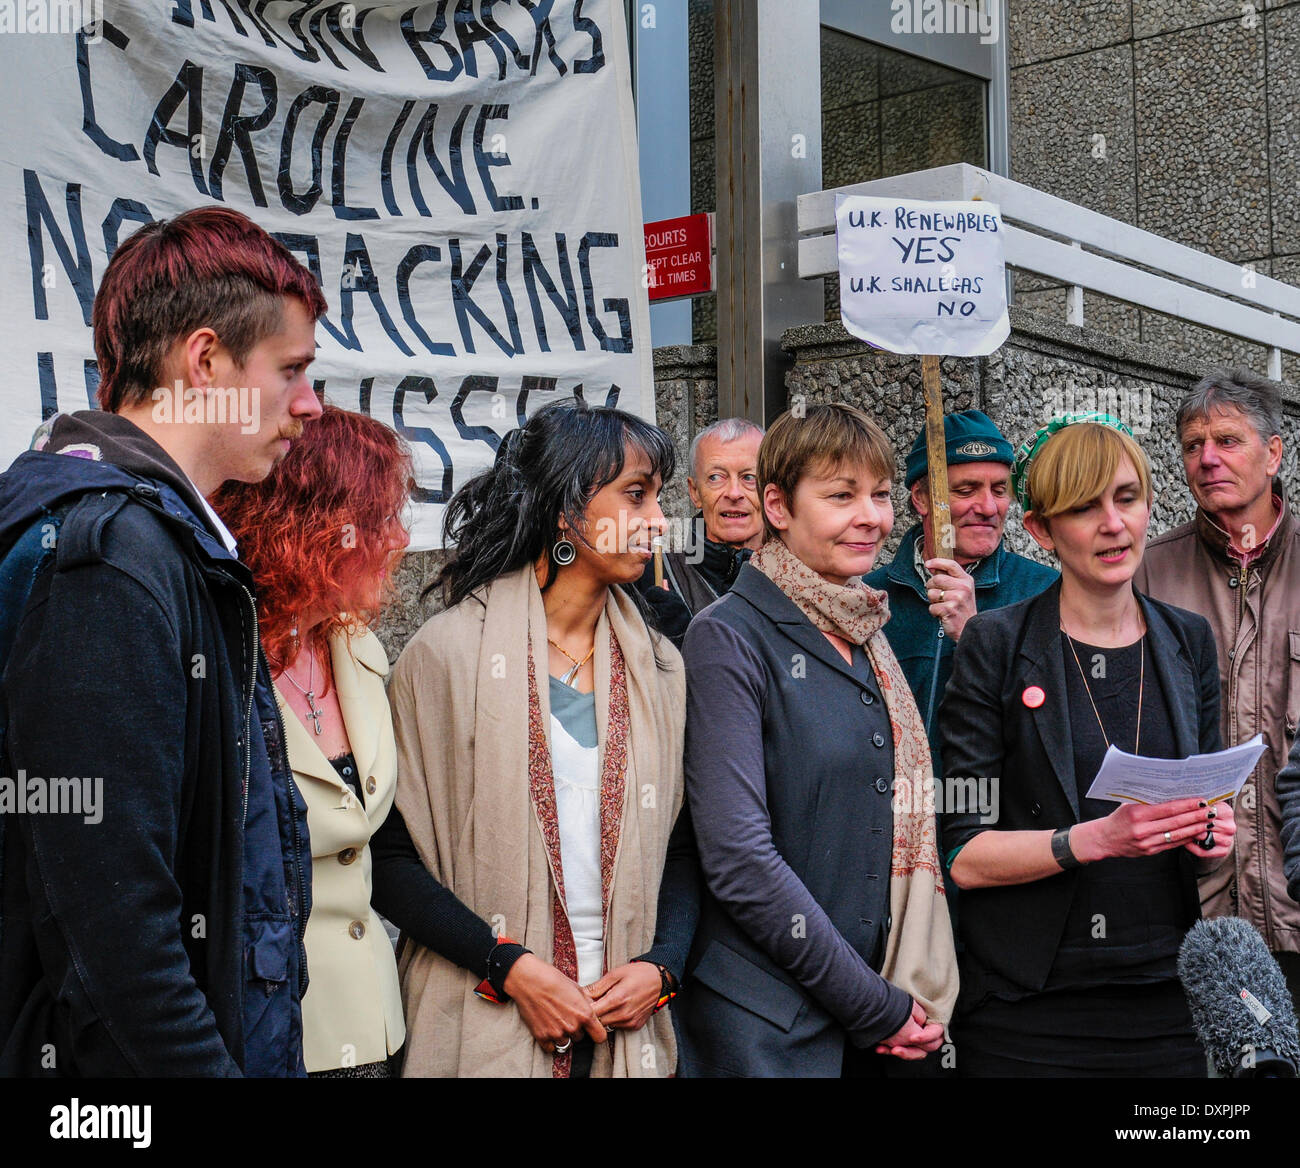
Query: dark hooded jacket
[[165, 939]]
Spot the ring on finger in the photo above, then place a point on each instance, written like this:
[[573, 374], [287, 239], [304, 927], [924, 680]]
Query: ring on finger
[[1168, 838], [563, 1047]]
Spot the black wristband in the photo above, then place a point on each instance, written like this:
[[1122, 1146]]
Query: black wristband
[[1061, 852], [499, 964], [667, 983]]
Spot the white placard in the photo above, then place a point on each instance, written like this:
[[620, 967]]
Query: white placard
[[921, 277], [463, 179]]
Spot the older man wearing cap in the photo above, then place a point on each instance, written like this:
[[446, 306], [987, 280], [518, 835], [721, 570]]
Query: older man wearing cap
[[930, 601]]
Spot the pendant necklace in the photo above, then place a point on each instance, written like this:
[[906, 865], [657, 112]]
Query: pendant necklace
[[1142, 650], [567, 679], [310, 693]]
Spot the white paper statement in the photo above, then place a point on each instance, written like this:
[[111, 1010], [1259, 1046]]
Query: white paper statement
[[1130, 778], [922, 277]]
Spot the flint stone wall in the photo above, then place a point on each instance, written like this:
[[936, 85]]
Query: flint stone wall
[[1044, 368]]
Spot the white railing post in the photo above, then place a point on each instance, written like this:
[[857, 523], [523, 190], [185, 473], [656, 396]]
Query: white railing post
[[1074, 305], [1275, 359]]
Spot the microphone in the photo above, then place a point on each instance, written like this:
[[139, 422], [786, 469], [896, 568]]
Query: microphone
[[1241, 1009]]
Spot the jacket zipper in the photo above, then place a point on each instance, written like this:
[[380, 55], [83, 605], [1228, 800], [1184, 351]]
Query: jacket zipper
[[1243, 579], [934, 681], [252, 690], [1235, 891], [300, 928]]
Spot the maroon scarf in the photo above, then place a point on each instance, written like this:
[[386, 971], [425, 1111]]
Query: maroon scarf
[[541, 784]]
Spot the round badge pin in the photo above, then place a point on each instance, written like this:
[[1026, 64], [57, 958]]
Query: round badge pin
[[1033, 697]]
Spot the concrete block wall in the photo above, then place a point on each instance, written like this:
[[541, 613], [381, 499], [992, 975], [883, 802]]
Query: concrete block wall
[[1179, 116], [1046, 366]]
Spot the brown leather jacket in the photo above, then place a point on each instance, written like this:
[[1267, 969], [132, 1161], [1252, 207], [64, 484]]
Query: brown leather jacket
[[1255, 614]]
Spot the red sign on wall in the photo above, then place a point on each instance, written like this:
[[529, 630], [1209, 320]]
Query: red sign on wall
[[679, 257]]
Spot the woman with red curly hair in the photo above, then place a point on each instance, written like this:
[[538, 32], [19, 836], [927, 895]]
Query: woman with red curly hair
[[323, 535]]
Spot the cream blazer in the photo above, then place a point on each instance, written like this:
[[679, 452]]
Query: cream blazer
[[352, 1013]]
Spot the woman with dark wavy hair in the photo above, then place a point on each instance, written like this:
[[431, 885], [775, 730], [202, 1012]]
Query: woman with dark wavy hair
[[323, 535], [539, 729]]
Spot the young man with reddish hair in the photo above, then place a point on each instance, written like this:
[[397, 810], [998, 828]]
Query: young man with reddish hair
[[160, 935]]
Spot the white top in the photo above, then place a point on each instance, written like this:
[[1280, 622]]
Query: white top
[[577, 806]]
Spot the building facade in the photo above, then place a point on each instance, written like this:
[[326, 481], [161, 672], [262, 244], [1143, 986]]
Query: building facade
[[1181, 117]]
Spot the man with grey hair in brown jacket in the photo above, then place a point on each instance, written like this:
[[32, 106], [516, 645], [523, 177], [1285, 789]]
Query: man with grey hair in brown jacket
[[1237, 563]]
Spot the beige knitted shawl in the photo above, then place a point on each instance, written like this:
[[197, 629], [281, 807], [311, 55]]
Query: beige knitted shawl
[[460, 700], [919, 953]]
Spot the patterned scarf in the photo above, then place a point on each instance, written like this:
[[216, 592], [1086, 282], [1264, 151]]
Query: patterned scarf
[[919, 953], [541, 785]]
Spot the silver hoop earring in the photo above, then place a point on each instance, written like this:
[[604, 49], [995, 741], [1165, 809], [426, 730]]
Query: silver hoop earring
[[564, 553]]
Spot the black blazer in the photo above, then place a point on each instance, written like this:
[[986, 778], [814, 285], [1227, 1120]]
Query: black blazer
[[789, 769], [1011, 933]]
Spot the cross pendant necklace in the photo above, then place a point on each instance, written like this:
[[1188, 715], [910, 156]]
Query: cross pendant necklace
[[310, 694]]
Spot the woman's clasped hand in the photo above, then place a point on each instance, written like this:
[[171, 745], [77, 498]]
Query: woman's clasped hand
[[555, 1007], [1142, 829], [552, 1006], [915, 1038]]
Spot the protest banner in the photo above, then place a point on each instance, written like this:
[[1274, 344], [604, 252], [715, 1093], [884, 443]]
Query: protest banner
[[460, 175], [927, 278]]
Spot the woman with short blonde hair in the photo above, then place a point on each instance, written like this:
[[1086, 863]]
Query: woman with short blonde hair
[[1074, 908], [1076, 467], [822, 440]]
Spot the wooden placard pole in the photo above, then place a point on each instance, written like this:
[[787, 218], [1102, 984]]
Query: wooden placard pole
[[940, 541]]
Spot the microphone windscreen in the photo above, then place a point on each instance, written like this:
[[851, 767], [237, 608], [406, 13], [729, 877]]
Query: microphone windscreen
[[1238, 998]]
